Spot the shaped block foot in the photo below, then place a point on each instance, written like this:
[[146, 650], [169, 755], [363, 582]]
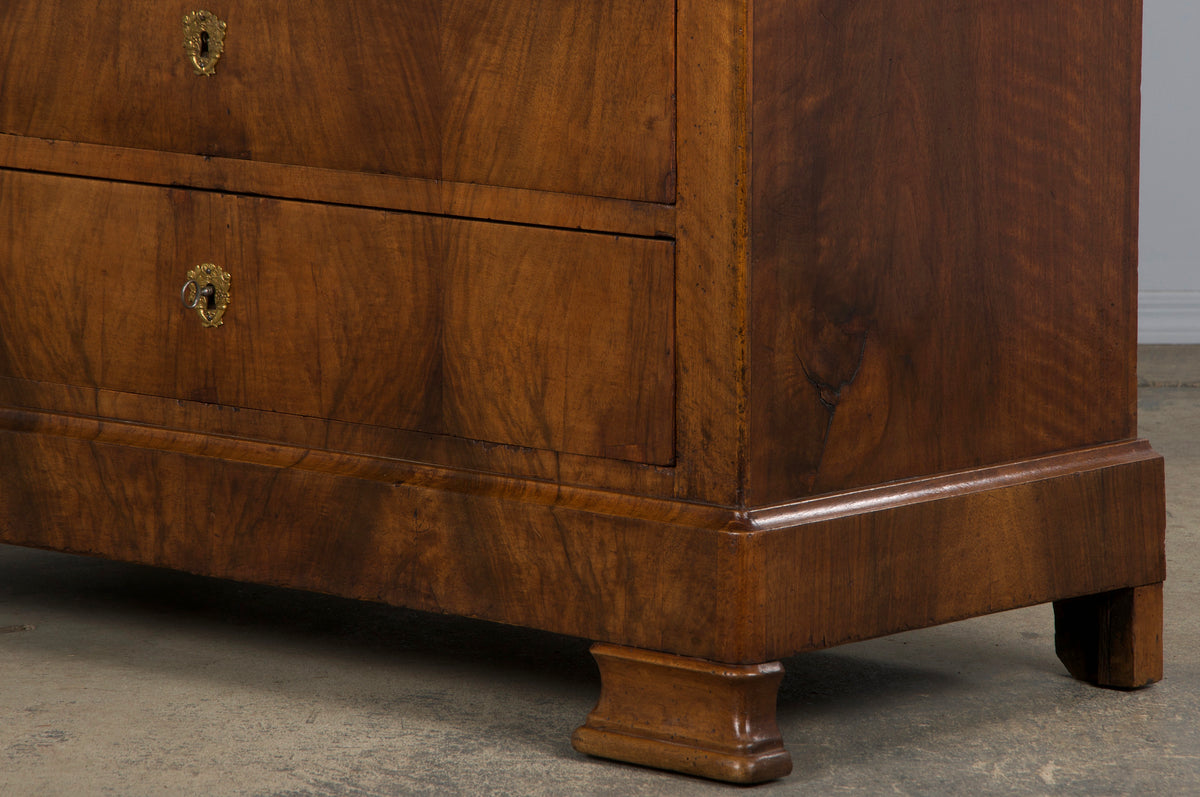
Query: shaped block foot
[[687, 715]]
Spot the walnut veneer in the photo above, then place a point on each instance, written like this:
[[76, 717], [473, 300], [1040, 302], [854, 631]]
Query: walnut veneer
[[714, 332]]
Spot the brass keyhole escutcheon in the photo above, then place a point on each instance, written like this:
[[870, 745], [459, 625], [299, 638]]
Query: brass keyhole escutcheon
[[203, 40], [207, 292]]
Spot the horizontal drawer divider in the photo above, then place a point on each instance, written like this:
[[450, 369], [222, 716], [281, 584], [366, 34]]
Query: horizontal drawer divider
[[351, 189]]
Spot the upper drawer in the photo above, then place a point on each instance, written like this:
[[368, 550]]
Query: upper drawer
[[532, 337], [573, 97]]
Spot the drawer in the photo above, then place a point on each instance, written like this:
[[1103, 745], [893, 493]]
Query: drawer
[[573, 97], [516, 335]]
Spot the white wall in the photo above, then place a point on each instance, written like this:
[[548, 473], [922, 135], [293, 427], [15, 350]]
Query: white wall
[[1169, 249]]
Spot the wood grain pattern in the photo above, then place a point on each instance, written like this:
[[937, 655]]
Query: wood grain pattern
[[386, 192], [305, 433], [1014, 536], [517, 551], [513, 335], [861, 361], [1114, 639], [662, 575], [712, 272], [944, 226], [575, 97], [687, 715], [578, 329], [538, 95]]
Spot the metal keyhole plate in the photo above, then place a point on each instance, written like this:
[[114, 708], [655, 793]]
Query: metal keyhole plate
[[203, 40], [207, 292]]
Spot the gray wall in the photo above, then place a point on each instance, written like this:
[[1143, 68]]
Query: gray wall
[[1169, 298]]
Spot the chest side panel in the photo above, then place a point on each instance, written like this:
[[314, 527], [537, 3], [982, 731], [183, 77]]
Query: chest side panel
[[944, 213]]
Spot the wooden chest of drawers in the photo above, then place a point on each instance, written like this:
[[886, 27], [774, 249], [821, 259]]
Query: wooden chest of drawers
[[715, 333]]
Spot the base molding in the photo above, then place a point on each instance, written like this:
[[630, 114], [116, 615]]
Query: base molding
[[724, 584]]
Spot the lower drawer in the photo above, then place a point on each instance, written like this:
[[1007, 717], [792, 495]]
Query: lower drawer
[[515, 335]]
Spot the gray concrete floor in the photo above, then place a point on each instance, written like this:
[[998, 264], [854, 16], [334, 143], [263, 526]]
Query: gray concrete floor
[[135, 681]]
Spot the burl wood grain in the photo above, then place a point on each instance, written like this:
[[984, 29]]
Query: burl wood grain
[[538, 94], [943, 232], [524, 336]]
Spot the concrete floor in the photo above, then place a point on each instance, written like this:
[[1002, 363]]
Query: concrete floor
[[135, 681]]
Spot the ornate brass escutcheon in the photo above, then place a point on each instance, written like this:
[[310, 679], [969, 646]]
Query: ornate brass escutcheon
[[203, 39], [207, 292]]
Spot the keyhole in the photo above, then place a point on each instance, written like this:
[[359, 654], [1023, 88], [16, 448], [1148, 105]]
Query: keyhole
[[204, 44], [210, 297]]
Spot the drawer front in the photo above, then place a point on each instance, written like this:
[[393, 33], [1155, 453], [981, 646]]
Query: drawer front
[[515, 335], [573, 97]]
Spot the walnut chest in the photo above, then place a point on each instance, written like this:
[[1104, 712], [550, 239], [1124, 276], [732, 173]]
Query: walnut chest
[[714, 332]]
